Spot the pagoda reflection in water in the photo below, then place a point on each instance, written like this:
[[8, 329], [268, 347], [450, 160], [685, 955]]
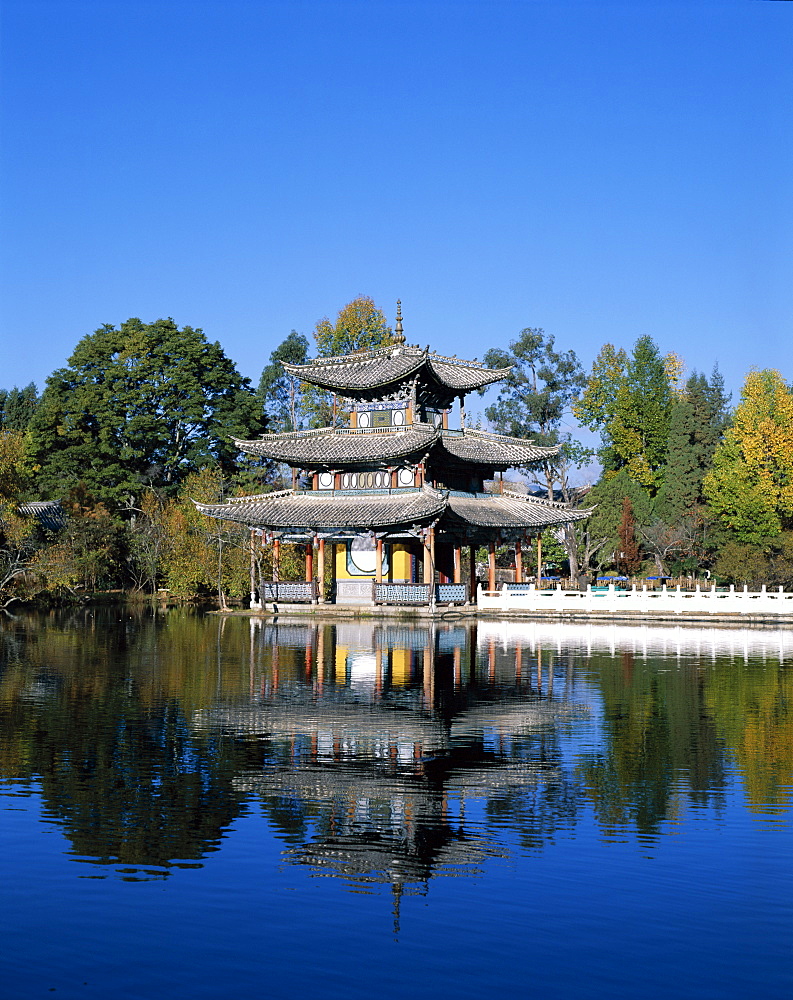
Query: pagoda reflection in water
[[381, 737]]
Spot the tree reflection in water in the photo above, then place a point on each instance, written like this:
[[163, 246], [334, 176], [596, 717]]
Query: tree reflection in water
[[379, 752]]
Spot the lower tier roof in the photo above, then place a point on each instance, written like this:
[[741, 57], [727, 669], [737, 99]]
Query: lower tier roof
[[293, 511], [474, 515]]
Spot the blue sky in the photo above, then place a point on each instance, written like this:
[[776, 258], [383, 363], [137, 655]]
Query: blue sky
[[601, 169]]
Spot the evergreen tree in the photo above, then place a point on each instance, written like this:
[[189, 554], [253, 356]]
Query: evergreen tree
[[697, 423], [17, 407], [628, 555]]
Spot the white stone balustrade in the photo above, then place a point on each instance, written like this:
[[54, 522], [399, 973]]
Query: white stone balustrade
[[610, 600]]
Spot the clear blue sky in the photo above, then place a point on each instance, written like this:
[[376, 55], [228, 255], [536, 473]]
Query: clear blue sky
[[600, 169]]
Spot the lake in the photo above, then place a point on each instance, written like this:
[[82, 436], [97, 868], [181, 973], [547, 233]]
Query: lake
[[196, 807]]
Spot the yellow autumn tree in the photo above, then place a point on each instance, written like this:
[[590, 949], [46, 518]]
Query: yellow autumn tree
[[750, 487]]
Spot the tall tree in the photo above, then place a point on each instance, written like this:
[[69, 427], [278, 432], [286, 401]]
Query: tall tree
[[533, 402], [750, 487], [281, 395], [143, 404], [359, 326], [17, 407], [628, 555], [629, 400], [601, 540], [698, 420]]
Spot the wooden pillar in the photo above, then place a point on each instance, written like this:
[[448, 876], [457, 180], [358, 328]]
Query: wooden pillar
[[539, 559], [427, 558], [472, 572], [491, 566], [310, 561], [276, 559], [253, 567], [321, 572], [518, 563], [458, 556], [432, 561], [379, 561]]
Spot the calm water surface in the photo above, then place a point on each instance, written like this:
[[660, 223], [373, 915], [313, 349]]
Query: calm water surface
[[196, 807]]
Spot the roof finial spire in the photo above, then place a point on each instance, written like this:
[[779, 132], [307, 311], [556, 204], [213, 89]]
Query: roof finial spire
[[400, 336]]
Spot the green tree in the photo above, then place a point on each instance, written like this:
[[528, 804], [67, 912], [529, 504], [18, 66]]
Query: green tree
[[533, 402], [282, 395], [203, 556], [628, 399], [17, 407], [697, 423], [18, 538], [141, 405], [601, 541], [750, 487]]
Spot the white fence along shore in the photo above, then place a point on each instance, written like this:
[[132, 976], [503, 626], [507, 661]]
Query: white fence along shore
[[610, 600]]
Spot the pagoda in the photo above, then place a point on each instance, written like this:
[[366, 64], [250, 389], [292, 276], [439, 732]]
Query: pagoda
[[395, 493]]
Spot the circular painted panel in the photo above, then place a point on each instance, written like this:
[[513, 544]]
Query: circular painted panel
[[364, 420], [398, 417], [363, 554], [406, 477], [325, 480]]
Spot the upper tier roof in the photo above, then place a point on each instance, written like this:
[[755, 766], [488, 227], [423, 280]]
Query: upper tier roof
[[342, 446], [333, 448], [379, 372]]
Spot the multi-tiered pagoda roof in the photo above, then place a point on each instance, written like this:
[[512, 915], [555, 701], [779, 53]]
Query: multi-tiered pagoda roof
[[397, 466]]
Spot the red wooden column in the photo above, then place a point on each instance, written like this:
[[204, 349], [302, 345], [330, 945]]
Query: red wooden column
[[310, 561], [518, 563], [491, 566], [276, 559], [458, 556], [379, 562], [427, 558], [321, 571]]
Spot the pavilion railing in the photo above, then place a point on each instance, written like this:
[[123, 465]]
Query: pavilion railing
[[290, 592], [401, 593], [451, 593]]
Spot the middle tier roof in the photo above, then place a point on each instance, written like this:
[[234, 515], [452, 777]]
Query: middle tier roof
[[329, 447]]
